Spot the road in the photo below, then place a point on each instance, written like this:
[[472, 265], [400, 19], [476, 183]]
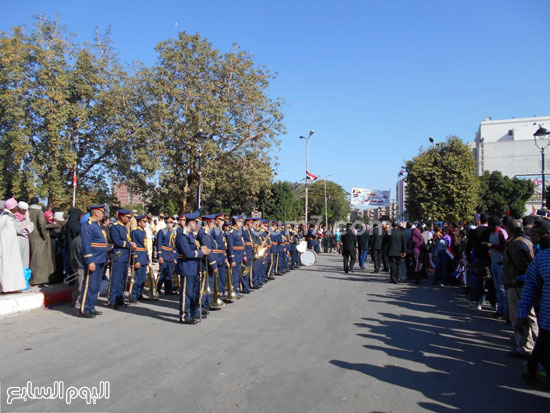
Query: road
[[314, 340]]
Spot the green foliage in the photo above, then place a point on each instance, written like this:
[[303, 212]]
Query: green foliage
[[338, 203], [195, 87], [281, 202], [62, 104], [499, 193], [442, 182]]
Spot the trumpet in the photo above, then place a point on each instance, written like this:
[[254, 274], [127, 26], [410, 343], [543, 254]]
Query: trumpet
[[217, 302]]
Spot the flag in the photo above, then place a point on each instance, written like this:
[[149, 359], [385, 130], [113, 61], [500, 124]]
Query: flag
[[309, 175], [401, 173], [450, 253]]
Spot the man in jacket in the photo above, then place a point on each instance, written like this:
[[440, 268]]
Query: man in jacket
[[375, 243], [363, 241], [397, 249], [349, 248]]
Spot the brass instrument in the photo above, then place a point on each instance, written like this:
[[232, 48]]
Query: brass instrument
[[229, 290], [260, 251], [217, 302], [131, 280], [151, 283]]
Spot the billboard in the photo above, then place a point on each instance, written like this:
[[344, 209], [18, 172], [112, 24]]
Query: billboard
[[537, 181], [369, 198]]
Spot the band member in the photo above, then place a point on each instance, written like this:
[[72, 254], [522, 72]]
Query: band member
[[248, 238], [281, 250], [219, 252], [94, 254], [141, 258], [258, 239], [235, 246], [209, 264], [311, 237], [166, 244], [120, 258], [188, 265], [269, 256], [274, 235]]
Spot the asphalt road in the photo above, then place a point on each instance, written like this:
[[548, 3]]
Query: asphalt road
[[314, 340]]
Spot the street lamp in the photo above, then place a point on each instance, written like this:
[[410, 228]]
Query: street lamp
[[311, 132], [540, 135], [200, 137]]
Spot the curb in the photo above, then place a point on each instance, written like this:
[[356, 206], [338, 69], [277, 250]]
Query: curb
[[34, 299]]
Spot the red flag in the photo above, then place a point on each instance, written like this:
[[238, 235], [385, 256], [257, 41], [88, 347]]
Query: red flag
[[309, 175]]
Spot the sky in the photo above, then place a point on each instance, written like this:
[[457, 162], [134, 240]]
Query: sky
[[374, 79]]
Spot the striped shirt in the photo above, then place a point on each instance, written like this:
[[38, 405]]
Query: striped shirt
[[537, 288]]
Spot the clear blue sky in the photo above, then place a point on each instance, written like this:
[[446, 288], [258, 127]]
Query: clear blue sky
[[374, 79]]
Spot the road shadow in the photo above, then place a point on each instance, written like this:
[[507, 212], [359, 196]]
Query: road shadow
[[438, 345]]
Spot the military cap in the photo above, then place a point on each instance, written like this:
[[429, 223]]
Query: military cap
[[139, 218], [99, 206], [192, 216], [124, 212]]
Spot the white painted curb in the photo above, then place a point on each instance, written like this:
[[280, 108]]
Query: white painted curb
[[15, 303]]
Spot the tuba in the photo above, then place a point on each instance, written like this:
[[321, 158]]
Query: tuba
[[260, 251]]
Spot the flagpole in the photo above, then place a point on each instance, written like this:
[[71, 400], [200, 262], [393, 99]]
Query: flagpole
[[74, 185], [311, 132]]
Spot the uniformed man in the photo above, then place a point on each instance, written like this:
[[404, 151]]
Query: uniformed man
[[311, 237], [190, 254], [219, 252], [281, 250], [293, 244], [141, 258], [94, 254], [166, 244], [122, 244], [248, 238], [274, 235], [269, 257], [209, 263], [259, 263], [235, 247]]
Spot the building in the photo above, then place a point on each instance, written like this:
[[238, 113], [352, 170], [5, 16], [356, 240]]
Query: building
[[401, 199], [508, 146], [125, 196]]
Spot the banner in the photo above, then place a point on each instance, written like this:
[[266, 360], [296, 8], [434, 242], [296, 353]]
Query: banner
[[369, 198]]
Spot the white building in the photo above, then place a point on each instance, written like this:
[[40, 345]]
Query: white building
[[508, 146], [401, 199]]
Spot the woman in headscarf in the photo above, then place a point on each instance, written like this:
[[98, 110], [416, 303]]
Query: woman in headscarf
[[12, 277], [57, 239], [24, 227], [41, 253]]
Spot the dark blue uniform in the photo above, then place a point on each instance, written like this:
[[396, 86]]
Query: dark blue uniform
[[188, 266], [310, 238], [235, 246], [121, 258], [248, 239], [141, 256], [94, 250], [219, 254], [208, 263], [166, 245]]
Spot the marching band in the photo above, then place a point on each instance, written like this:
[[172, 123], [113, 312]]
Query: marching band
[[210, 260]]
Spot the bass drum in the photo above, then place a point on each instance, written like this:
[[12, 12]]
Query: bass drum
[[301, 247], [308, 258]]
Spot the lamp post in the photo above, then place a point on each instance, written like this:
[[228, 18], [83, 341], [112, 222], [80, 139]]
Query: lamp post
[[539, 136], [311, 132], [200, 137], [326, 203]]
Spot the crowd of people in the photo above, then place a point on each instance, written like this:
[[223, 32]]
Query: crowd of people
[[208, 260], [502, 263]]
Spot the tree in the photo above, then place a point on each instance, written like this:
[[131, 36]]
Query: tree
[[281, 202], [442, 183], [338, 202], [499, 193], [196, 88], [64, 106]]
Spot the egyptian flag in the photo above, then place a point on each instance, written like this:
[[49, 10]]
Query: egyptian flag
[[309, 175], [450, 253]]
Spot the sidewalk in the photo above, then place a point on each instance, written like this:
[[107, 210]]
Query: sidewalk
[[35, 298]]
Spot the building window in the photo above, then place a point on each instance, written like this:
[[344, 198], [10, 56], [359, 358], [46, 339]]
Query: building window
[[511, 132]]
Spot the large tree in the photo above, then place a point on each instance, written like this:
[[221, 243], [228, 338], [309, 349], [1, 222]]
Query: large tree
[[442, 182], [63, 106], [194, 88], [499, 194], [281, 202]]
